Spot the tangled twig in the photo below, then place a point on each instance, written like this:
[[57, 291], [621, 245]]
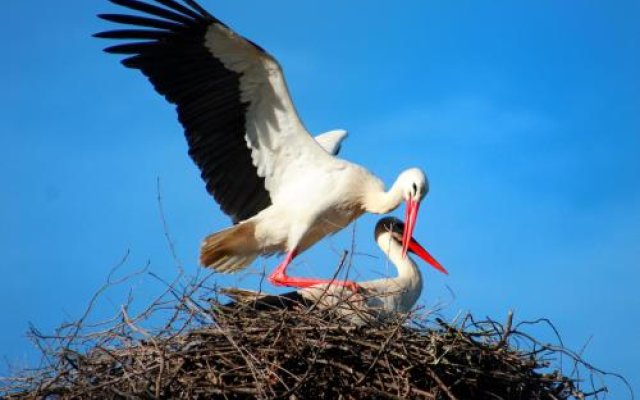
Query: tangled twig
[[207, 350]]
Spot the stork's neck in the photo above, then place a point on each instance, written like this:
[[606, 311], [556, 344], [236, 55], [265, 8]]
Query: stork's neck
[[378, 201], [409, 278]]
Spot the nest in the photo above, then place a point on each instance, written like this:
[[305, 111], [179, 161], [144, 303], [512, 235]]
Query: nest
[[204, 350]]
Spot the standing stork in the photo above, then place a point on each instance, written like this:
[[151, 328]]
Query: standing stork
[[281, 188], [379, 297]]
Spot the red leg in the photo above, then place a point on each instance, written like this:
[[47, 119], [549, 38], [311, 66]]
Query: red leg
[[279, 277]]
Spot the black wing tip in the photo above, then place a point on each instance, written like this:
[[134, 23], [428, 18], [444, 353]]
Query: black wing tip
[[174, 18], [174, 10], [197, 7], [106, 35], [107, 16], [129, 48], [133, 34]]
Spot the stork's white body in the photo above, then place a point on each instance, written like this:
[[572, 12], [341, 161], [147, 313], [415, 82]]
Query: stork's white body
[[338, 189], [378, 299], [399, 293]]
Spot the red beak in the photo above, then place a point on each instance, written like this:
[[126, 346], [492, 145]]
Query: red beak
[[410, 216], [420, 251]]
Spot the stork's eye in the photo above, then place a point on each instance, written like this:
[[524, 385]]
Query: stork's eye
[[415, 188]]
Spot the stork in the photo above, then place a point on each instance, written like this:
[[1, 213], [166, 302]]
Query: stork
[[380, 297], [281, 188]]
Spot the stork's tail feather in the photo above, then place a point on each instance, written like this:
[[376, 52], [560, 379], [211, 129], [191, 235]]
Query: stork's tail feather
[[230, 250]]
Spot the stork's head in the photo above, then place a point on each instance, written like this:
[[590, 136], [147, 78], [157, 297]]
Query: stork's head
[[396, 230], [414, 185]]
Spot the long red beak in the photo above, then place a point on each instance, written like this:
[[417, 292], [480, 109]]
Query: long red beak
[[420, 251], [411, 214]]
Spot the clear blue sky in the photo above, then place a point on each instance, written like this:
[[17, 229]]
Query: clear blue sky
[[525, 117]]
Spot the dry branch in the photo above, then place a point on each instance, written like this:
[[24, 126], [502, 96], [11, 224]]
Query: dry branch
[[206, 350]]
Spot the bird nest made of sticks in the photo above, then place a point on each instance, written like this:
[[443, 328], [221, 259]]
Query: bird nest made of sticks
[[205, 350]]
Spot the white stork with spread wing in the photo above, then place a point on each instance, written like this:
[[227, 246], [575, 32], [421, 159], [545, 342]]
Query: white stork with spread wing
[[281, 188]]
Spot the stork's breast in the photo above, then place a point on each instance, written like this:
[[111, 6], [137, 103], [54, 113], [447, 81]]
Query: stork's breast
[[329, 222]]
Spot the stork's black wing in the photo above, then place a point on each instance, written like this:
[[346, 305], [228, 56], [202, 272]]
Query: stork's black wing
[[167, 43]]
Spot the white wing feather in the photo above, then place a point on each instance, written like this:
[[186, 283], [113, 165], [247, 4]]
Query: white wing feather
[[280, 144], [331, 141]]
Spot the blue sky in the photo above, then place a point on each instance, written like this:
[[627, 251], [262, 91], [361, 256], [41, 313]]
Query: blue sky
[[525, 117]]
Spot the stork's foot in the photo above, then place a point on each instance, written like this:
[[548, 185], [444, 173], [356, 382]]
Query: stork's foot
[[280, 279]]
